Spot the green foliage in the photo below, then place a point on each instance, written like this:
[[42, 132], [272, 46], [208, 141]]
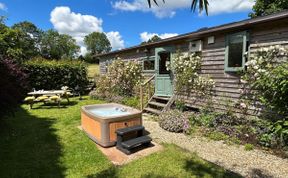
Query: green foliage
[[267, 79], [248, 147], [58, 46], [180, 105], [216, 135], [155, 38], [52, 74], [174, 121], [266, 82], [90, 59], [122, 79], [266, 7], [131, 101], [12, 43], [186, 68], [31, 38], [202, 119], [24, 41], [97, 43]]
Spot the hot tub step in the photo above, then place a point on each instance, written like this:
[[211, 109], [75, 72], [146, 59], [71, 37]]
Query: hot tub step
[[127, 130], [129, 144]]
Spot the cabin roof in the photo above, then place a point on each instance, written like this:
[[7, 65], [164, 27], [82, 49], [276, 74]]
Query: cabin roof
[[205, 31]]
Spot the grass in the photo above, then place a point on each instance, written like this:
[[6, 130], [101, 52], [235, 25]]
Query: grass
[[45, 142], [93, 69], [248, 147]]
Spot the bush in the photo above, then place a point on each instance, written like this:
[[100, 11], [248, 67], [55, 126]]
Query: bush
[[13, 86], [132, 102], [174, 121], [122, 79], [49, 75]]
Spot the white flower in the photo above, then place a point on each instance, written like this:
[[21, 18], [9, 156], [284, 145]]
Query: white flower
[[256, 67], [243, 105]]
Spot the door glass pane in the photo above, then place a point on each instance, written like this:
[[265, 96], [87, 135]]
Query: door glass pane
[[235, 54], [164, 58], [149, 64]]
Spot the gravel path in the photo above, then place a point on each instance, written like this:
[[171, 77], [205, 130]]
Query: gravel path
[[254, 163]]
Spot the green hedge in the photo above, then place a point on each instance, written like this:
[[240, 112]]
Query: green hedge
[[52, 74]]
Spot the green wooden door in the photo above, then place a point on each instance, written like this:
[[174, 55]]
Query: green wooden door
[[163, 81]]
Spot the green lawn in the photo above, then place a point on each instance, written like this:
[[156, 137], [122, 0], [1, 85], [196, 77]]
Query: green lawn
[[93, 69], [45, 142]]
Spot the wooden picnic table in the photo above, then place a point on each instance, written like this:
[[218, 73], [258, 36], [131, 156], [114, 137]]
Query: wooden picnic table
[[60, 93]]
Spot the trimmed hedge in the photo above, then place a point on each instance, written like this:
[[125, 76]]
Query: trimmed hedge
[[13, 85], [52, 74]]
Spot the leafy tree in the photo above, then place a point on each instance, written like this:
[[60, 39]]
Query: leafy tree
[[58, 46], [266, 7], [202, 4], [11, 42], [31, 38], [97, 43], [151, 40]]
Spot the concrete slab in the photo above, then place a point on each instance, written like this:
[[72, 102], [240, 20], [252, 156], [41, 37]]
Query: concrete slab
[[119, 158]]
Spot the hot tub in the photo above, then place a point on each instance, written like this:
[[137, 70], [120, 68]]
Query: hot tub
[[100, 121]]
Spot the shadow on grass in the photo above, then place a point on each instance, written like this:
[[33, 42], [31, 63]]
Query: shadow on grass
[[29, 147], [107, 173], [200, 169]]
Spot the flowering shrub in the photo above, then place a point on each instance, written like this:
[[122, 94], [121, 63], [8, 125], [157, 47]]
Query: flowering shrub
[[185, 68], [124, 76], [266, 79], [266, 82], [174, 121], [121, 79]]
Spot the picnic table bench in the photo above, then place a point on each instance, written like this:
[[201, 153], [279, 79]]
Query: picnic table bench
[[48, 95]]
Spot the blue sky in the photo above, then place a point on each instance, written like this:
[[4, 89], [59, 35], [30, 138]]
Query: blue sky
[[125, 22]]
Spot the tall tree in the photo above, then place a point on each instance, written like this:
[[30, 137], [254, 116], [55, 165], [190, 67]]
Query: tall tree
[[58, 46], [97, 43], [202, 4], [266, 7], [31, 38], [12, 44]]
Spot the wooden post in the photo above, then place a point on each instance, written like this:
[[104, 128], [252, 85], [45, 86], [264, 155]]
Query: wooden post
[[141, 97], [149, 92]]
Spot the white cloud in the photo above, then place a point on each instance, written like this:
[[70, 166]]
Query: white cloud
[[145, 36], [168, 9], [3, 7], [78, 26], [115, 39]]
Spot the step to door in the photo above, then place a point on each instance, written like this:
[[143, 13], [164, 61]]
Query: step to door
[[157, 104], [152, 110], [161, 98]]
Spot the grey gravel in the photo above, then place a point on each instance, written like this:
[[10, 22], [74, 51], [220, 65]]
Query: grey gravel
[[254, 163]]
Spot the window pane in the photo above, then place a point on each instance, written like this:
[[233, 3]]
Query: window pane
[[235, 55], [149, 64], [164, 59]]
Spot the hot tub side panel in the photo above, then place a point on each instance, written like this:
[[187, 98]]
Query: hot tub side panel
[[113, 126], [91, 126]]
